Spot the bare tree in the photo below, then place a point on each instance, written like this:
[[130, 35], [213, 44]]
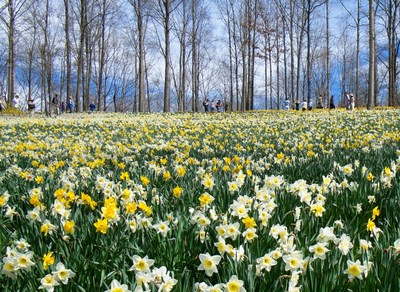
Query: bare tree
[[138, 6], [163, 12], [15, 9], [180, 27], [372, 57], [227, 9], [311, 6], [46, 61], [357, 22], [68, 51], [390, 19], [328, 56], [102, 53], [31, 40], [195, 58], [267, 30]]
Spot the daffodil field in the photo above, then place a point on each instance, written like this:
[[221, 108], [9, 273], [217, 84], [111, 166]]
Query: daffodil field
[[256, 201]]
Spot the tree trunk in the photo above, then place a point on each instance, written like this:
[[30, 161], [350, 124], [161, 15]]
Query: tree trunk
[[67, 48], [230, 59], [271, 106], [102, 55], [236, 55], [291, 40], [182, 62], [278, 92], [253, 52], [372, 56], [11, 52], [167, 76], [391, 9], [139, 15], [82, 29], [86, 96], [195, 64], [48, 57], [285, 57], [265, 72], [299, 50], [358, 52], [308, 52], [328, 55]]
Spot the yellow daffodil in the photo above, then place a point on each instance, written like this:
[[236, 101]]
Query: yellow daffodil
[[101, 225], [69, 226], [249, 222], [375, 212], [48, 260], [177, 192]]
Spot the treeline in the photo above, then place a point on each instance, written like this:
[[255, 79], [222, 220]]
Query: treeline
[[170, 55]]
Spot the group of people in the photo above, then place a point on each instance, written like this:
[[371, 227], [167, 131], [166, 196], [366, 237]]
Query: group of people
[[304, 105], [15, 103], [55, 105], [210, 106], [350, 101]]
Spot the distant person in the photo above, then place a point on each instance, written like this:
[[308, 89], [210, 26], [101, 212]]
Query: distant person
[[15, 102], [304, 105], [206, 105], [70, 104], [347, 100], [227, 104], [319, 102], [331, 103], [297, 103], [352, 101], [62, 107], [219, 106], [310, 104], [2, 104], [92, 106], [212, 106], [55, 104], [31, 105], [286, 104]]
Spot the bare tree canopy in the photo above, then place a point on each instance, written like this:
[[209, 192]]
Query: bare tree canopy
[[171, 55]]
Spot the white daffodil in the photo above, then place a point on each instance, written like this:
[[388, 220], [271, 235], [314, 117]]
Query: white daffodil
[[209, 263]]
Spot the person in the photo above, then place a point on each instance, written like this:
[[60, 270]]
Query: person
[[55, 104], [31, 105], [212, 106], [2, 104], [347, 100], [319, 102], [62, 107], [92, 106], [304, 105], [70, 104], [331, 103], [297, 104], [15, 102], [227, 106], [352, 101], [286, 104], [206, 105], [310, 104], [219, 106]]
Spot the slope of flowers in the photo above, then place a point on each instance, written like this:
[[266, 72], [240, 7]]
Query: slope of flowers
[[258, 201]]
